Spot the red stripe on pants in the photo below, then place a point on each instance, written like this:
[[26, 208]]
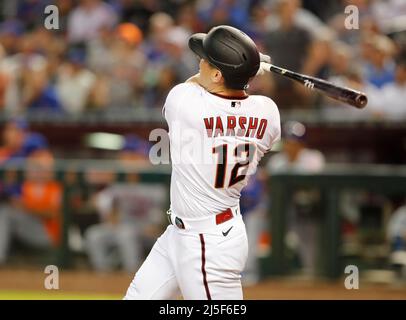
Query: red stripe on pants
[[206, 286]]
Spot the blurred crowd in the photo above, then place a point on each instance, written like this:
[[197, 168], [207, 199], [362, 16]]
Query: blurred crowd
[[113, 220], [124, 55], [30, 209]]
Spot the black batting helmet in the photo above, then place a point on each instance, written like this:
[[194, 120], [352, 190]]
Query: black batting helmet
[[229, 50]]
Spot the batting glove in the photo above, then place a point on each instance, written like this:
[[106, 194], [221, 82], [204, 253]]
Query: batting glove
[[264, 58], [263, 67]]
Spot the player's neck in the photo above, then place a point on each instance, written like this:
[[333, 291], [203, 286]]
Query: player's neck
[[223, 91]]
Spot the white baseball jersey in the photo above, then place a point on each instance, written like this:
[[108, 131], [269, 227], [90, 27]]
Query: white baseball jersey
[[216, 143]]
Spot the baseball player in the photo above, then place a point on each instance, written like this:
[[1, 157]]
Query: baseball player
[[218, 134]]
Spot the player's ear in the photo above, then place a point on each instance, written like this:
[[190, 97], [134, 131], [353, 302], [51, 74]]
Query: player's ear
[[216, 76]]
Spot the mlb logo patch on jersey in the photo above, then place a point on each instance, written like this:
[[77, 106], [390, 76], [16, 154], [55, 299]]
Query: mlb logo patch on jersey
[[235, 104]]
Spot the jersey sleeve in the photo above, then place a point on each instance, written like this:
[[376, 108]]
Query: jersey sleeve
[[174, 100], [275, 122]]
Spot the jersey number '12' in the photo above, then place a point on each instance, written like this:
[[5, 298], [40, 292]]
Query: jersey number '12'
[[222, 150]]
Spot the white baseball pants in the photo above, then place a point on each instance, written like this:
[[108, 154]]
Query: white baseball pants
[[200, 266]]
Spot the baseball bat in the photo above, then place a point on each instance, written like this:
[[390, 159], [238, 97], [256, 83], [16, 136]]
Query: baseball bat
[[353, 97]]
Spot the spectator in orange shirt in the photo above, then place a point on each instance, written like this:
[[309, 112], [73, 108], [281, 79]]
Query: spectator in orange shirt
[[33, 216]]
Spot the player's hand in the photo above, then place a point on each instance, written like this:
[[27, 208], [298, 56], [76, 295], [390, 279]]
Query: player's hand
[[264, 58], [263, 67]]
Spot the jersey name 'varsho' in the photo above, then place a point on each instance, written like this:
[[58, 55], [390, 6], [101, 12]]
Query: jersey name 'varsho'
[[216, 144]]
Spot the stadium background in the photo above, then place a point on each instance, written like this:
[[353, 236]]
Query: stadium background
[[78, 104]]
